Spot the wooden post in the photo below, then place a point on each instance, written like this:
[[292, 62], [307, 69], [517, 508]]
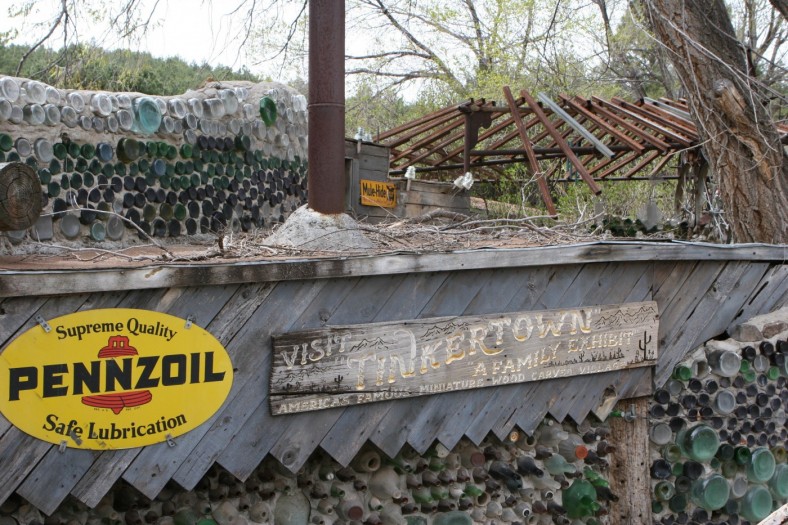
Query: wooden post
[[629, 466]]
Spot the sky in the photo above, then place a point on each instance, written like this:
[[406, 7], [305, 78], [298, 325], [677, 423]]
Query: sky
[[194, 30]]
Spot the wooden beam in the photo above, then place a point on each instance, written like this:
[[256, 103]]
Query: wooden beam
[[17, 280], [529, 151], [655, 122], [629, 465], [600, 106], [581, 169], [620, 136]]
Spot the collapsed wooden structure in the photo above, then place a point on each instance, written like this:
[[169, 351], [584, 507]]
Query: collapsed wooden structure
[[566, 139]]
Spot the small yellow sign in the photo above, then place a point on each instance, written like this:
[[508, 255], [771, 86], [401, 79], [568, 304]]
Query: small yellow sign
[[374, 193], [113, 379]]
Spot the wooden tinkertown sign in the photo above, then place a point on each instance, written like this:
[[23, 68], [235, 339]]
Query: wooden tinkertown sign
[[349, 365]]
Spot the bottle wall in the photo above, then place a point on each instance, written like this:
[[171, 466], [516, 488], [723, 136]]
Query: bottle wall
[[718, 434], [559, 475], [125, 166]]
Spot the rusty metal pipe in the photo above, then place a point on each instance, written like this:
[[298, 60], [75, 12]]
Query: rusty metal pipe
[[327, 182]]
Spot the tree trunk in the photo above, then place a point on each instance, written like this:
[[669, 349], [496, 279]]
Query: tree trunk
[[740, 140]]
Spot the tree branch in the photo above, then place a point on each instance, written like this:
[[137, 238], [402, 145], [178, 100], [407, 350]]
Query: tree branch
[[63, 14]]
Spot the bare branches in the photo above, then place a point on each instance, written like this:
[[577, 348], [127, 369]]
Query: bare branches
[[62, 15]]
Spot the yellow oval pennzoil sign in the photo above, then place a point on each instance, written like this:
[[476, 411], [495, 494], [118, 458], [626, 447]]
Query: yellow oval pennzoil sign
[[113, 378]]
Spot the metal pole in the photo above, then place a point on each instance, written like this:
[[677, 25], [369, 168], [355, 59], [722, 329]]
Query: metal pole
[[326, 182]]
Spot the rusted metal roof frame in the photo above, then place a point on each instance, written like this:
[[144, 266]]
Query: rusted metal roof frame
[[655, 122], [633, 132], [685, 127], [600, 107], [532, 162], [581, 169], [579, 128], [602, 123]]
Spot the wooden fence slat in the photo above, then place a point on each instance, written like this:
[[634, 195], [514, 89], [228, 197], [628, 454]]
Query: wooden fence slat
[[393, 431], [15, 313], [503, 289], [102, 474], [505, 422], [531, 409], [577, 388], [17, 465], [766, 296], [202, 303], [618, 281], [276, 311], [152, 468], [500, 405], [306, 430], [435, 410], [560, 288], [667, 289], [111, 464], [57, 473], [253, 440], [730, 298], [686, 336], [19, 455], [356, 424]]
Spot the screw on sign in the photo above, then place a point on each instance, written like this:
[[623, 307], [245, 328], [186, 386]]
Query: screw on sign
[[118, 346]]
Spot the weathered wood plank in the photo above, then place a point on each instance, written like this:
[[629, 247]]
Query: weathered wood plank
[[254, 439], [683, 299], [629, 467], [441, 200], [459, 291], [575, 389], [356, 424], [305, 431], [245, 399], [445, 188], [620, 283], [454, 294], [15, 313], [686, 335], [19, 452], [326, 304], [438, 410], [501, 405], [102, 474], [587, 282], [414, 210], [727, 298], [57, 473], [766, 296], [530, 409], [109, 465], [20, 282], [275, 312], [617, 281], [155, 464], [501, 289], [19, 455]]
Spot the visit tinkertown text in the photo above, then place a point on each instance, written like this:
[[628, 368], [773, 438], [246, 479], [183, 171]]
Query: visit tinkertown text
[[347, 365]]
